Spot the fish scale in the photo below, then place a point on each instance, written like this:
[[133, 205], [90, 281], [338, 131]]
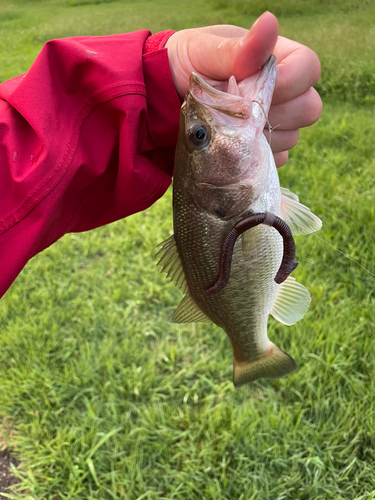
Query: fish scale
[[225, 172]]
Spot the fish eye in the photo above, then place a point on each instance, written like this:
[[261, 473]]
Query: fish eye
[[199, 135]]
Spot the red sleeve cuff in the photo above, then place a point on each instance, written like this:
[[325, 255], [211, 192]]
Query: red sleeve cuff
[[157, 41]]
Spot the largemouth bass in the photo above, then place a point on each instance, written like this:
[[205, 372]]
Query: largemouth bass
[[225, 174]]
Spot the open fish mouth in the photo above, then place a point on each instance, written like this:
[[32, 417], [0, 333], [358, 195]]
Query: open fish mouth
[[236, 100], [288, 263]]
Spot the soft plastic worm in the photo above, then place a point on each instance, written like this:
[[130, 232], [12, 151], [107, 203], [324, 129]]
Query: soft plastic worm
[[288, 263]]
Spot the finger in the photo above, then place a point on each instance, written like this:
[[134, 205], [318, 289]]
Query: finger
[[298, 69], [301, 111], [241, 57], [282, 140], [281, 158]]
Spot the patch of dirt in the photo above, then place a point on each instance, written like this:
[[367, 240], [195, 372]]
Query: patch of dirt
[[6, 477]]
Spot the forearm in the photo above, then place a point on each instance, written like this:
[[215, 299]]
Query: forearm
[[87, 137]]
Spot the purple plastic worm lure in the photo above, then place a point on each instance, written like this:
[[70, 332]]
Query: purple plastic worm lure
[[288, 263]]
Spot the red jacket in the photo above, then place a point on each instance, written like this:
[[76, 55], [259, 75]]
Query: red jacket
[[87, 136]]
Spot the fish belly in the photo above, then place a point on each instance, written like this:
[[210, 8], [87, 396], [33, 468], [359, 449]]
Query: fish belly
[[242, 307], [251, 291]]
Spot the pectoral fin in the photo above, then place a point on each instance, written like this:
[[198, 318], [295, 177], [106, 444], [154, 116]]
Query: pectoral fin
[[274, 363], [299, 218]]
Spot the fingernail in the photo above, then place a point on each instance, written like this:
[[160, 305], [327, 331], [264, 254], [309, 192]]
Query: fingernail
[[259, 18]]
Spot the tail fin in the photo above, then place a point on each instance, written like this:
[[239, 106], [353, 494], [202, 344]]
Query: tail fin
[[274, 363]]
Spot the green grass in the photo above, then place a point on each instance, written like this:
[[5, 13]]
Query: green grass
[[101, 397]]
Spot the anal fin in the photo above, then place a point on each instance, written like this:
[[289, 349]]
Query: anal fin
[[274, 363]]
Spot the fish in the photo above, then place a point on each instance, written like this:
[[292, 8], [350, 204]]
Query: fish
[[229, 268]]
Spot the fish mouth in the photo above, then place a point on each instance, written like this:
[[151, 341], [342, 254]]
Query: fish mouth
[[236, 99], [228, 104], [288, 263]]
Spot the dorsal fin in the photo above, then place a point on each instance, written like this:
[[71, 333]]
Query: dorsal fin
[[170, 263], [299, 218], [189, 312]]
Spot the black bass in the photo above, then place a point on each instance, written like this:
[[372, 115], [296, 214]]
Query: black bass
[[225, 175]]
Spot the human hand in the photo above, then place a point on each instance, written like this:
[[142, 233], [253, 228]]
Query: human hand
[[221, 51]]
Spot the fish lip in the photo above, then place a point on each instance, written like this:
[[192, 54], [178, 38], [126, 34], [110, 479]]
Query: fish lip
[[195, 78], [268, 65]]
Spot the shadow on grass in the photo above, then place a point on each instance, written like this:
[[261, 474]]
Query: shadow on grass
[[7, 479]]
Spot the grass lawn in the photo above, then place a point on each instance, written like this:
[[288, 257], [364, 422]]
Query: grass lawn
[[102, 397]]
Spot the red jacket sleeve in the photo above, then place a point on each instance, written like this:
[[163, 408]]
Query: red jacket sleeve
[[87, 136]]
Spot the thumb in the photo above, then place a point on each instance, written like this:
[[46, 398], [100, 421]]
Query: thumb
[[219, 58]]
